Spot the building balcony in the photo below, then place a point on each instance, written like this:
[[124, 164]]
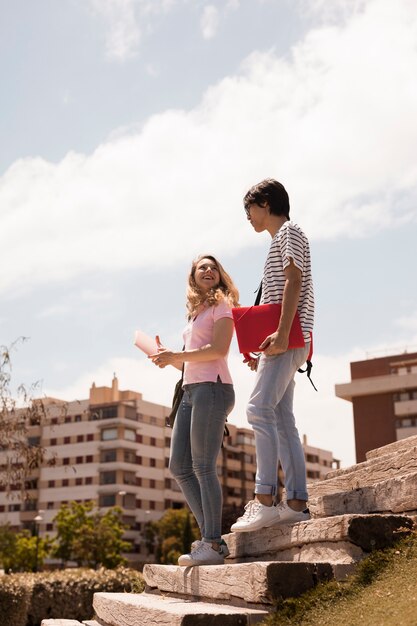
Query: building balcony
[[376, 385], [405, 408]]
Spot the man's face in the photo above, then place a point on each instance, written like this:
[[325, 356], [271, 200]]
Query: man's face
[[258, 215]]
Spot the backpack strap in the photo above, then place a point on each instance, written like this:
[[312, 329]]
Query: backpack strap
[[309, 364]]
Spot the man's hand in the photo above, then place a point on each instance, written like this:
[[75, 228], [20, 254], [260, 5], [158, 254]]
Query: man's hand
[[274, 344]]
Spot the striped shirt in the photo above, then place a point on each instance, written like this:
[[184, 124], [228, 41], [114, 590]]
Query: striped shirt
[[290, 243]]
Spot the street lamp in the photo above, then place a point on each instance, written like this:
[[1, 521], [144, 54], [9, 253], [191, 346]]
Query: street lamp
[[122, 495], [38, 519]]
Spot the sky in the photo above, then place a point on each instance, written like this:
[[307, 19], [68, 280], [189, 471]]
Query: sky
[[130, 131]]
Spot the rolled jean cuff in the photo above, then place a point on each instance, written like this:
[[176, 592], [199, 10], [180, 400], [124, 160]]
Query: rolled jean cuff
[[266, 490], [297, 495]]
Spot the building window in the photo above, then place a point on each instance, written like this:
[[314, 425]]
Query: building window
[[107, 434], [129, 456], [78, 418], [79, 459], [65, 461], [90, 437], [153, 419], [139, 460], [152, 483], [167, 442], [107, 456], [54, 420], [89, 458], [139, 438], [34, 441], [139, 481], [68, 419], [152, 505], [153, 441], [51, 483], [89, 480], [107, 478], [152, 462], [129, 478], [50, 505], [107, 499], [130, 435], [80, 438], [49, 527], [53, 442], [67, 439], [65, 482], [78, 481]]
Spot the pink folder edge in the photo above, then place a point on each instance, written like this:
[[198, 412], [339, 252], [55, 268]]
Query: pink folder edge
[[145, 343]]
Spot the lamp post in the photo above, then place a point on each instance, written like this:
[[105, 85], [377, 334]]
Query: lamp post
[[122, 496], [38, 519]]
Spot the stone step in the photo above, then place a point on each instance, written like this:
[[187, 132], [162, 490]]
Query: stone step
[[144, 609], [338, 539], [245, 584], [395, 495], [61, 622], [367, 473], [392, 448]]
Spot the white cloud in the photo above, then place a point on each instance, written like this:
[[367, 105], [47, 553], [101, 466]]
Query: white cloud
[[209, 21], [122, 28], [335, 122]]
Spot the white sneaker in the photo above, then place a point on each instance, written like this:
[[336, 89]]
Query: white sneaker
[[202, 554], [284, 514], [256, 516]]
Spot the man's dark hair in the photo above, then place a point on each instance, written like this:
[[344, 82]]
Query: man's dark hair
[[272, 192]]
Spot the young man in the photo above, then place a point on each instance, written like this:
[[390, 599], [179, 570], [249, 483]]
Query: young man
[[287, 281]]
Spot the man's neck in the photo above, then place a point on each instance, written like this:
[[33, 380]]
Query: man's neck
[[274, 223]]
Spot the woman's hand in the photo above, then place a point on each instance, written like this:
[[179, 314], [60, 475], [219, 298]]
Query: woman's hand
[[251, 361]]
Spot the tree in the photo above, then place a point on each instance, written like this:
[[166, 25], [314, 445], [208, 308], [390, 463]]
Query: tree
[[88, 537], [21, 551], [174, 533], [19, 457]]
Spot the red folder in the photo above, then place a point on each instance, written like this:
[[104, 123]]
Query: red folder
[[254, 323]]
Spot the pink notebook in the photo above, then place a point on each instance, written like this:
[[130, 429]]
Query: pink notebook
[[145, 343]]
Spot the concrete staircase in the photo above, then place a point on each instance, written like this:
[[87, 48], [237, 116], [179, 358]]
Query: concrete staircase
[[355, 510]]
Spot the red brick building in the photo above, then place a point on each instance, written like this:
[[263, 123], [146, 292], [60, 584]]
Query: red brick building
[[383, 392]]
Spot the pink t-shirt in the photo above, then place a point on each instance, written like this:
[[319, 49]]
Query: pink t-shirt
[[198, 333]]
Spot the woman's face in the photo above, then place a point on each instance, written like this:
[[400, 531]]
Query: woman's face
[[206, 275]]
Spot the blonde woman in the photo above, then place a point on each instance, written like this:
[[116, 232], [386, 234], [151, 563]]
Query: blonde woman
[[207, 401]]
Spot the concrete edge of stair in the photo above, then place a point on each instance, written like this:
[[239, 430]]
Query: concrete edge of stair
[[145, 608]]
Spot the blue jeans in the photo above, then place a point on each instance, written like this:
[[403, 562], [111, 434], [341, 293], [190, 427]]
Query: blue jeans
[[196, 441], [270, 413]]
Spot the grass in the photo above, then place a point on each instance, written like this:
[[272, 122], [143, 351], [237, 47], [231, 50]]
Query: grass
[[382, 592]]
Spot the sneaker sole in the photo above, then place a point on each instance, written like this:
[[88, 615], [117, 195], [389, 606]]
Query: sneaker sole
[[267, 525]]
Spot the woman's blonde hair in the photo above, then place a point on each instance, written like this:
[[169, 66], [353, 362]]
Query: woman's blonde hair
[[225, 289]]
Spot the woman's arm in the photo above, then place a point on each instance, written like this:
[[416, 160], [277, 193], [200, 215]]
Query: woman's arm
[[216, 349]]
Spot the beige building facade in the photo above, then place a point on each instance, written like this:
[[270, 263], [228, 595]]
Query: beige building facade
[[113, 449]]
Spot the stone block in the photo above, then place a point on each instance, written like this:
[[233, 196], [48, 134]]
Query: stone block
[[393, 448], [395, 495], [367, 473], [144, 609], [251, 583], [60, 622]]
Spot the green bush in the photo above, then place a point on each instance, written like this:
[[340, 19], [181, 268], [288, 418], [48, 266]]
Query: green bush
[[67, 594], [15, 596]]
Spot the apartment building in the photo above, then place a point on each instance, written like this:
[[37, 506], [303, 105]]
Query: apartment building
[[113, 449], [383, 392]]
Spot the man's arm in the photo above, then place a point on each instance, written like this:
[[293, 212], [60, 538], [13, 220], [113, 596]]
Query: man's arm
[[277, 343]]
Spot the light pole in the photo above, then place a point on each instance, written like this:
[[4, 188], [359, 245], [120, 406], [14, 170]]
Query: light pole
[[38, 519], [122, 496]]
